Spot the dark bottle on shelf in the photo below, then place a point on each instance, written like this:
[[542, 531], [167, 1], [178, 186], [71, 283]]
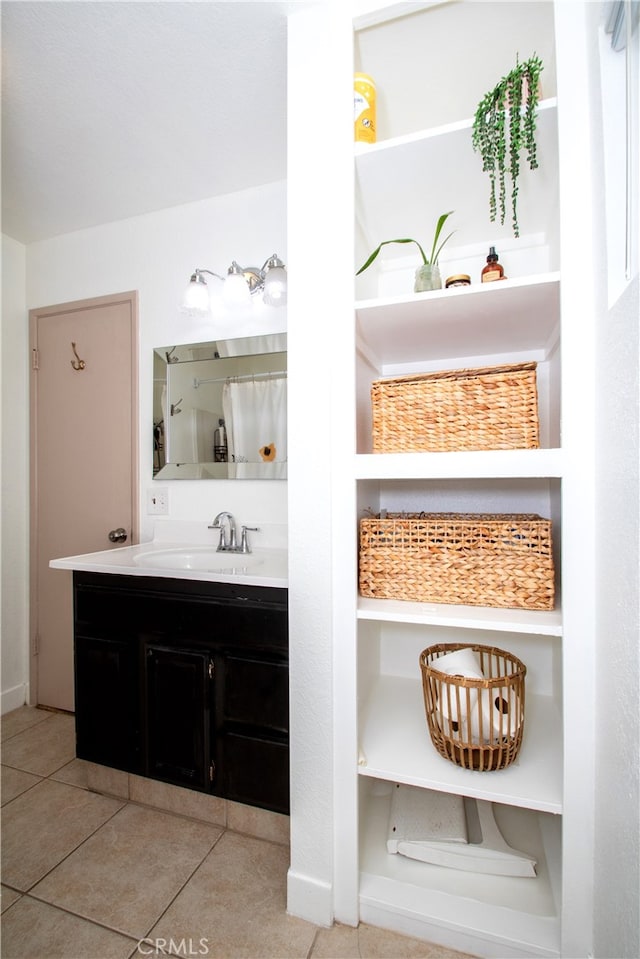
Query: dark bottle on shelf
[[493, 270]]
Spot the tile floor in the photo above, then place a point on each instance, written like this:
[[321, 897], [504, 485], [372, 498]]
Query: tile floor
[[88, 876]]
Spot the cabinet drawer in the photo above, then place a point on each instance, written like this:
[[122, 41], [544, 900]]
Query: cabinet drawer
[[255, 771], [256, 692]]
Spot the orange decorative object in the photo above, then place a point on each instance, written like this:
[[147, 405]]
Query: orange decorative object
[[268, 453]]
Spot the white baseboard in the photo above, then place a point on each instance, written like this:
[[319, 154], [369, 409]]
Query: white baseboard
[[14, 698], [309, 899]]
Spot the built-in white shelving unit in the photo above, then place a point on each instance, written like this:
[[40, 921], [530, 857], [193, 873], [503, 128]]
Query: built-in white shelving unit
[[358, 720], [402, 184]]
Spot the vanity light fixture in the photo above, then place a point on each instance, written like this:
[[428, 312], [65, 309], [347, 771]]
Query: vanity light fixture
[[240, 285]]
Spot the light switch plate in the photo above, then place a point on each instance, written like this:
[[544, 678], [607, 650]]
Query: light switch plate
[[158, 501]]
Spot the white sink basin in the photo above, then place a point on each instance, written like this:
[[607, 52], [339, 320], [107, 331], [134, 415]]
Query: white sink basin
[[202, 558]]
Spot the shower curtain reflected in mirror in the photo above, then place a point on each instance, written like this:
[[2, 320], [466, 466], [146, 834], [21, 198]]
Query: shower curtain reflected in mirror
[[255, 412]]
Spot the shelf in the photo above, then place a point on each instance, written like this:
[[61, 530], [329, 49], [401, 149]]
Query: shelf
[[405, 183], [395, 744], [511, 917], [531, 621], [481, 464], [519, 316], [546, 110]]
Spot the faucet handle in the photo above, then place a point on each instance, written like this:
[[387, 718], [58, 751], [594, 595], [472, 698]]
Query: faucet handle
[[222, 542], [218, 523], [244, 542]]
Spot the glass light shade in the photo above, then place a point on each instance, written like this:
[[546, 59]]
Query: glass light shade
[[275, 286], [236, 290], [196, 297]]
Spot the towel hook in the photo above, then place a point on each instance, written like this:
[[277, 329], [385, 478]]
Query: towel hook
[[77, 364]]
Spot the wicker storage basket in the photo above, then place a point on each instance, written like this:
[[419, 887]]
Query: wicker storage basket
[[476, 723], [472, 558], [494, 408]]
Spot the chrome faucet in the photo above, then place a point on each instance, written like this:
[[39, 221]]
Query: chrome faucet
[[230, 544]]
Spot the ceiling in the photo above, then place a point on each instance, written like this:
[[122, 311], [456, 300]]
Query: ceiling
[[114, 109]]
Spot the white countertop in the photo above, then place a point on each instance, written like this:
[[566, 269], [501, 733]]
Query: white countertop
[[193, 547]]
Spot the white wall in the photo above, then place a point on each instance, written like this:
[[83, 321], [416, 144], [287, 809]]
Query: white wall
[[154, 254], [617, 787], [15, 477]]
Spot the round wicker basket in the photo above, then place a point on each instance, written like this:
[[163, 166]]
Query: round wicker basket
[[476, 723]]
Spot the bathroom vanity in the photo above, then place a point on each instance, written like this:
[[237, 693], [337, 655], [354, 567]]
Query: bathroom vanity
[[183, 676]]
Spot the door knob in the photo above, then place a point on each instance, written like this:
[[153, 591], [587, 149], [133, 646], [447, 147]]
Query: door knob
[[118, 535]]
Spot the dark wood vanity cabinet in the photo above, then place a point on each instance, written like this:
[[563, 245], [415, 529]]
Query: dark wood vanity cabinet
[[186, 682]]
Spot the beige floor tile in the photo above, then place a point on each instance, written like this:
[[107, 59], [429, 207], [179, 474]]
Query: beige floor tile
[[236, 904], [9, 896], [35, 930], [339, 942], [74, 773], [128, 872], [45, 824], [20, 719], [44, 747], [15, 782], [184, 802]]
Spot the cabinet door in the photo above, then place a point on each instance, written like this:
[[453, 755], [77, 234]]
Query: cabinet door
[[107, 702], [177, 695]]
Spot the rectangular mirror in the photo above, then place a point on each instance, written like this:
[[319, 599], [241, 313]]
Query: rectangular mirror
[[220, 409]]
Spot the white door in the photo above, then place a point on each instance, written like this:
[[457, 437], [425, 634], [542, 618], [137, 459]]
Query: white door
[[83, 464]]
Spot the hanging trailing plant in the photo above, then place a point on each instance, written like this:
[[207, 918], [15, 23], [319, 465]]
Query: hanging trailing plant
[[503, 129]]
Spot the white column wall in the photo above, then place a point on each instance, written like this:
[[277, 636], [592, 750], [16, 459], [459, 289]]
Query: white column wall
[[14, 562], [616, 908], [321, 296], [582, 300]]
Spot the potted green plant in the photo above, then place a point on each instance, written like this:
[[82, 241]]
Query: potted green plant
[[428, 274], [504, 125]]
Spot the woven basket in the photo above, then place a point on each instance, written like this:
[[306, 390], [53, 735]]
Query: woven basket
[[471, 558], [475, 723], [494, 408]]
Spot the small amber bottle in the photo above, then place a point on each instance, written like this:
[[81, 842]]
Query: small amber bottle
[[493, 270]]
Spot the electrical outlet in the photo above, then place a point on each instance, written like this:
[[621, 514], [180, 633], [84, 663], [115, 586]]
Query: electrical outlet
[[158, 501]]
